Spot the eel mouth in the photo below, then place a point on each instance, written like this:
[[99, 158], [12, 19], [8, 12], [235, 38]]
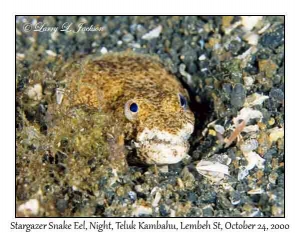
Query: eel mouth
[[161, 147], [161, 152]]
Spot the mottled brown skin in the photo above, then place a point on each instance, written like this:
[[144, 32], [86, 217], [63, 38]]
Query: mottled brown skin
[[106, 84]]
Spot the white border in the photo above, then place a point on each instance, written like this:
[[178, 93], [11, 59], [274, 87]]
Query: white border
[[150, 7]]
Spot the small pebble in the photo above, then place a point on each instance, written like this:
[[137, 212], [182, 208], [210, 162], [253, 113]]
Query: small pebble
[[208, 211], [51, 53], [212, 132], [256, 191], [220, 129], [235, 198], [273, 177], [273, 39], [140, 210], [20, 56], [61, 205], [271, 121], [277, 94], [103, 50], [202, 57], [276, 134], [223, 202], [238, 95], [132, 195], [249, 145], [163, 211], [128, 38], [248, 80], [35, 92], [243, 172]]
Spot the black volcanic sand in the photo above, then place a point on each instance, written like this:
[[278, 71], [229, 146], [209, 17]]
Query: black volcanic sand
[[219, 61]]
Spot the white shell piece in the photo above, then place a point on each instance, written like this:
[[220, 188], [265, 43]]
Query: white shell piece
[[30, 207], [153, 33], [213, 171], [59, 94]]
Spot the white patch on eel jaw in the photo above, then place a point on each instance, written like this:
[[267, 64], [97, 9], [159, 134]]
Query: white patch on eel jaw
[[161, 147]]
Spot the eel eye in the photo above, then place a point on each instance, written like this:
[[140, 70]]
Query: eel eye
[[134, 107], [182, 101], [131, 109]]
